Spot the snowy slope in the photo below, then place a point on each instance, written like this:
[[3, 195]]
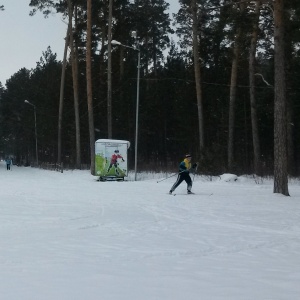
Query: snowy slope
[[69, 237]]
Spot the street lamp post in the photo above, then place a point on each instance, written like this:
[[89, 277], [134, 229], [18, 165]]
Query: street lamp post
[[36, 143], [114, 42]]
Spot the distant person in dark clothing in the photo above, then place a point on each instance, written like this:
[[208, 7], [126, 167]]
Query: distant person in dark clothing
[[8, 163]]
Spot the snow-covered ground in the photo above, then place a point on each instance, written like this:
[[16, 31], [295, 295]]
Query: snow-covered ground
[[65, 236]]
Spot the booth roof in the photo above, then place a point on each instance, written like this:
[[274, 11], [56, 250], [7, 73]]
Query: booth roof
[[113, 141]]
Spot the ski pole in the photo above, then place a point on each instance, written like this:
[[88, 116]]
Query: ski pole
[[195, 171], [170, 176], [166, 178]]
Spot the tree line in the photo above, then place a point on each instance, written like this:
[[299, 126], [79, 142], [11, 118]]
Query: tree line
[[218, 79]]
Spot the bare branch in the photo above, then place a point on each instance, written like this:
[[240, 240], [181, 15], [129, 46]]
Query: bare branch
[[262, 77]]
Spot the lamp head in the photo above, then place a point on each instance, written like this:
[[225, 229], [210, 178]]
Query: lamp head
[[114, 42]]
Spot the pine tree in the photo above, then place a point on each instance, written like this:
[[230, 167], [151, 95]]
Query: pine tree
[[280, 107]]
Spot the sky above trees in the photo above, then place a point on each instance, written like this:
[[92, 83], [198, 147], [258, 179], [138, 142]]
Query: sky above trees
[[27, 37]]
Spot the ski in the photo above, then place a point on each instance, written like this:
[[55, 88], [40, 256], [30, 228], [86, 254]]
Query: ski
[[193, 194]]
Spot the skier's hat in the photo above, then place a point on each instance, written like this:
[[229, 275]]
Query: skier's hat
[[116, 151], [188, 155]]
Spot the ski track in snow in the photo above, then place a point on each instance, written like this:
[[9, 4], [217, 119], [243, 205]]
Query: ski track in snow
[[135, 234]]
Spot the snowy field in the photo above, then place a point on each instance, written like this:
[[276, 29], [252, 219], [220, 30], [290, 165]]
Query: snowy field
[[69, 237]]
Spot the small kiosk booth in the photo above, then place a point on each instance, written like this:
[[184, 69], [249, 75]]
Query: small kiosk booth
[[111, 159]]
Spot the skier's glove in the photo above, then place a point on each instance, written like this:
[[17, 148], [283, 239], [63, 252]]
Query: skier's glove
[[123, 159], [194, 166]]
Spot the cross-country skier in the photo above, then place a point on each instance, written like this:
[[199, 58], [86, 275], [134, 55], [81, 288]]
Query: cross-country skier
[[114, 161], [184, 174]]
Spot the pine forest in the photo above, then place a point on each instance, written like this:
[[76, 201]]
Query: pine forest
[[218, 79]]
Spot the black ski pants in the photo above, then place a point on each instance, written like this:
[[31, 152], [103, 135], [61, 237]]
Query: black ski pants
[[183, 176]]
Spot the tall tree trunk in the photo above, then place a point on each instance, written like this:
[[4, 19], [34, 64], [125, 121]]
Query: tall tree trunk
[[154, 57], [89, 84], [197, 70], [61, 95], [121, 78], [109, 81], [254, 119], [290, 138], [74, 59], [233, 90], [289, 60], [102, 65], [280, 107]]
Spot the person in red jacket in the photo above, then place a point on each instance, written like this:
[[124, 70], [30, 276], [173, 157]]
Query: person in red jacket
[[114, 161]]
